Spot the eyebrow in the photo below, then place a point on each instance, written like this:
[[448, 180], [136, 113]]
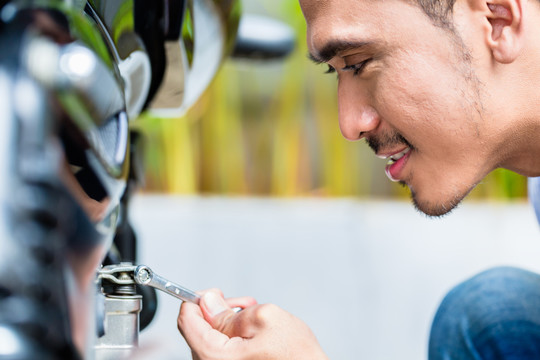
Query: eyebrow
[[334, 47]]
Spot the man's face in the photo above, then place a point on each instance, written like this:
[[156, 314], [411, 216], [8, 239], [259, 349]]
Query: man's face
[[408, 88]]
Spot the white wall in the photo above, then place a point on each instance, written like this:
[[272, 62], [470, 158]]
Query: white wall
[[366, 276]]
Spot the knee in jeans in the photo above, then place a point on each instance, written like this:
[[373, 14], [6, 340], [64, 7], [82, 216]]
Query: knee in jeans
[[495, 299], [494, 313], [489, 288]]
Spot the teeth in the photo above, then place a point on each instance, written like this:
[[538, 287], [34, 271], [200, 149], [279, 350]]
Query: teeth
[[397, 156]]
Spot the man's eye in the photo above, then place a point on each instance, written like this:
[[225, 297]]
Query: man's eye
[[330, 70], [357, 68]]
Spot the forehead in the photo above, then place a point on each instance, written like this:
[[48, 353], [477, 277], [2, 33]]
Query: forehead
[[314, 9], [384, 21], [311, 7]]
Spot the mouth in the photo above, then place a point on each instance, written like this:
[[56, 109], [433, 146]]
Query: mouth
[[396, 163]]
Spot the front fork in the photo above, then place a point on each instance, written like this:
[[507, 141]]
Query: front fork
[[120, 307], [118, 327]]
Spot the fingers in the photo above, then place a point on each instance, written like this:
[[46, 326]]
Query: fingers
[[215, 303], [194, 328], [214, 331], [205, 341], [219, 313], [191, 322], [215, 322], [241, 302], [215, 310]]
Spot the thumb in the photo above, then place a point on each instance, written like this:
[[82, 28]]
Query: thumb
[[216, 311]]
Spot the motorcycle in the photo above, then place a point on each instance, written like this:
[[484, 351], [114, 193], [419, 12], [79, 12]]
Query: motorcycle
[[73, 75]]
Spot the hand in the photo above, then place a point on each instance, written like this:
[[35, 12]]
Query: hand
[[214, 331]]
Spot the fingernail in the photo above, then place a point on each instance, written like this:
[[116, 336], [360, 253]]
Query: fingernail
[[214, 304]]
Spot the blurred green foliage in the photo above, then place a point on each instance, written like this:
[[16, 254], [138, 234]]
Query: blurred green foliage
[[271, 129]]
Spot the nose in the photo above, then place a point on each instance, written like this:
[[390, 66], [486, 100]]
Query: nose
[[356, 116]]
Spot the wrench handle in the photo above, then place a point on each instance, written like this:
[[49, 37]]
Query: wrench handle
[[145, 276]]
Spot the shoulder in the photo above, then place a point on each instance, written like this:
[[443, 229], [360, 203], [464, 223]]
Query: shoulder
[[534, 194]]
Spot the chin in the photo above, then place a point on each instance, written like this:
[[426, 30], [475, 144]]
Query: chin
[[433, 209], [436, 207], [437, 195]]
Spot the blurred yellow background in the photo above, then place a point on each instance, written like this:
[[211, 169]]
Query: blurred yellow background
[[271, 129]]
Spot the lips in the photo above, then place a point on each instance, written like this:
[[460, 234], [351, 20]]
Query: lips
[[396, 163]]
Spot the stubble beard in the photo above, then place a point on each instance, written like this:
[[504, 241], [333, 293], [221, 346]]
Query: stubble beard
[[437, 209], [472, 93], [473, 96], [430, 208]]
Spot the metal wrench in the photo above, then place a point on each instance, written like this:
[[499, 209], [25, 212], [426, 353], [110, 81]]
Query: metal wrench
[[143, 275]]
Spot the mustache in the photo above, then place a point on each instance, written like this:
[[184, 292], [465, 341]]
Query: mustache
[[386, 140]]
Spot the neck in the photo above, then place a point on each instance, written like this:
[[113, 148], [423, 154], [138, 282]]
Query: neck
[[522, 149], [519, 111]]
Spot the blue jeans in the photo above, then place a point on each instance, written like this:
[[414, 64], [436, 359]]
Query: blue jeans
[[494, 315]]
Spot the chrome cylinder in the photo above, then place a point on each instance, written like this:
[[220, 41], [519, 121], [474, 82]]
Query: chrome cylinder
[[121, 326]]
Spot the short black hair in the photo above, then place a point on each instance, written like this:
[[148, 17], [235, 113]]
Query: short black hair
[[439, 11]]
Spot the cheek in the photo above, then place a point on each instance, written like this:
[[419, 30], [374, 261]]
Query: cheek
[[422, 100]]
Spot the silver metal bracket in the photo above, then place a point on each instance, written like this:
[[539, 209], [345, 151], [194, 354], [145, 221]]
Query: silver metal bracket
[[121, 274]]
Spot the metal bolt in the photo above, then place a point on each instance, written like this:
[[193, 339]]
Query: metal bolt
[[143, 275]]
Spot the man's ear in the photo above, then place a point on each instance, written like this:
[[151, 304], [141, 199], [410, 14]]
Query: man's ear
[[504, 36]]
